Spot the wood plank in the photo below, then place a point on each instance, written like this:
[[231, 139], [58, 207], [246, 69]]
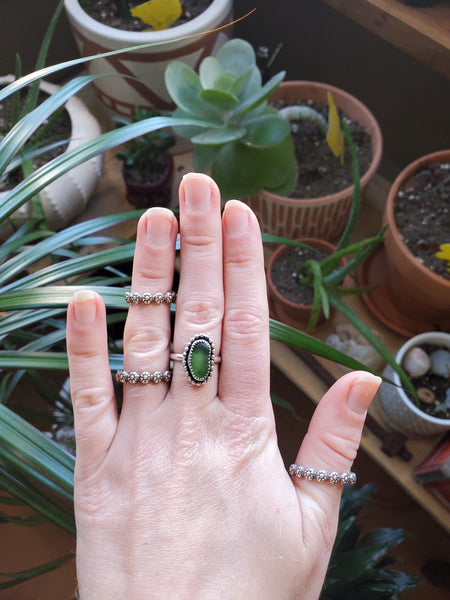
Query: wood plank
[[424, 33]]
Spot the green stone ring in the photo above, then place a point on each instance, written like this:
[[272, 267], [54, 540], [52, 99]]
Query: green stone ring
[[198, 359]]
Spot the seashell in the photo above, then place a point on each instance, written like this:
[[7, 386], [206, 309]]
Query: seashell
[[364, 353], [426, 395], [440, 362], [416, 362]]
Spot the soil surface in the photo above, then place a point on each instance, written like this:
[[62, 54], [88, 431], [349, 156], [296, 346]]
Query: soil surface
[[284, 274], [107, 12], [59, 130], [437, 384], [320, 172], [422, 214]]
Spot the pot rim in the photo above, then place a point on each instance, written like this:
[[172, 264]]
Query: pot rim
[[375, 134], [322, 245], [438, 337], [389, 218], [200, 24]]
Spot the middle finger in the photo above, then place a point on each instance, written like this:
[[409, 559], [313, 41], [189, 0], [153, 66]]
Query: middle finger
[[200, 294]]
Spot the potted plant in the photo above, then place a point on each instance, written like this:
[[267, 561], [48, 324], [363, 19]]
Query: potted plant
[[426, 357], [322, 212], [144, 67], [64, 199], [253, 150], [413, 284], [40, 272], [147, 164]]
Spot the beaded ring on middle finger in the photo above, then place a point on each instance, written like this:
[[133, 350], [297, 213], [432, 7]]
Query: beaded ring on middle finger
[[147, 298]]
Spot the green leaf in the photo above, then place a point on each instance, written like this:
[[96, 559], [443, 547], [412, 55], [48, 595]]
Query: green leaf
[[260, 95], [238, 170], [203, 157], [63, 163], [209, 72], [247, 84], [21, 576], [218, 137], [184, 87], [266, 131], [279, 166], [222, 100], [236, 56]]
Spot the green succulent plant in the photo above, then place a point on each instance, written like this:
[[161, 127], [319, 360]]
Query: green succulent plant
[[357, 569], [249, 146]]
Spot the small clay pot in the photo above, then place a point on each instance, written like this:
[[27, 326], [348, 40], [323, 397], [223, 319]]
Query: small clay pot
[[145, 195], [286, 311], [415, 290], [325, 217]]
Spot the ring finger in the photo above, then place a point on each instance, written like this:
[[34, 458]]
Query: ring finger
[[147, 329], [200, 295]]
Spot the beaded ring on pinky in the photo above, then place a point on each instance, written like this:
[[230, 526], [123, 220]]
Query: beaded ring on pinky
[[322, 476], [144, 377]]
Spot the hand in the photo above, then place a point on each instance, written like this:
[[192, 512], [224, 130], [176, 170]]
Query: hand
[[185, 494]]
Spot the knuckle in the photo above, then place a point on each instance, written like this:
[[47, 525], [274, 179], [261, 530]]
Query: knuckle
[[145, 342], [251, 320], [194, 239], [205, 312], [345, 447]]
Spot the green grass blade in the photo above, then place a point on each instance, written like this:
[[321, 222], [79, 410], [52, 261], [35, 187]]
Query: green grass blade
[[21, 576], [63, 163]]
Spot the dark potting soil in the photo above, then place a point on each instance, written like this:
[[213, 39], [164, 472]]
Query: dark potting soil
[[59, 130], [320, 172], [437, 384], [422, 214], [284, 274], [107, 12]]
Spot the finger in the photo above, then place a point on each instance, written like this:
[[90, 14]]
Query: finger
[[245, 338], [200, 293], [147, 329], [333, 439], [91, 386]]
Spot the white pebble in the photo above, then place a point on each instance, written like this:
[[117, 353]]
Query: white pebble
[[416, 362], [440, 362]]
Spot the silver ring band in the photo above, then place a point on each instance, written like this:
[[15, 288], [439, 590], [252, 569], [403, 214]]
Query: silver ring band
[[322, 476], [198, 359], [144, 377], [146, 298]]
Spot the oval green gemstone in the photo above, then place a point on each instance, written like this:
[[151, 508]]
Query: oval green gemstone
[[199, 360]]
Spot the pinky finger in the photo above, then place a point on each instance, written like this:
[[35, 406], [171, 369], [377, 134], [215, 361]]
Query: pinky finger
[[94, 406]]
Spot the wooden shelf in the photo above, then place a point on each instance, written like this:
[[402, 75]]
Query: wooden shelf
[[424, 33]]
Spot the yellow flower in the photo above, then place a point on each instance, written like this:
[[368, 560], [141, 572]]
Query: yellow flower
[[444, 254]]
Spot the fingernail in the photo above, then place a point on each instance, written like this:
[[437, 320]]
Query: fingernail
[[362, 391], [236, 217], [85, 306], [159, 226], [197, 193]]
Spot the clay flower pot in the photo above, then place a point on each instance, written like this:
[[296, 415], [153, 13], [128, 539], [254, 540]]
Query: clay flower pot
[[157, 193], [284, 310], [325, 217], [66, 197], [401, 413], [419, 295], [146, 66]]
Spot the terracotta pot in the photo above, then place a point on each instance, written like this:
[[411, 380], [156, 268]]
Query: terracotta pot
[[145, 195], [418, 293], [325, 217], [66, 197], [146, 66], [401, 413], [291, 313]]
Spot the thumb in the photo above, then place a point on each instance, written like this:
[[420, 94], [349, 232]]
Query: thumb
[[332, 442]]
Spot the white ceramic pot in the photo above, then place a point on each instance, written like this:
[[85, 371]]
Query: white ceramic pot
[[399, 410], [66, 197], [146, 66]]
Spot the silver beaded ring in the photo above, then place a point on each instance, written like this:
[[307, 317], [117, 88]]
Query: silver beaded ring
[[144, 377], [322, 476], [146, 298]]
